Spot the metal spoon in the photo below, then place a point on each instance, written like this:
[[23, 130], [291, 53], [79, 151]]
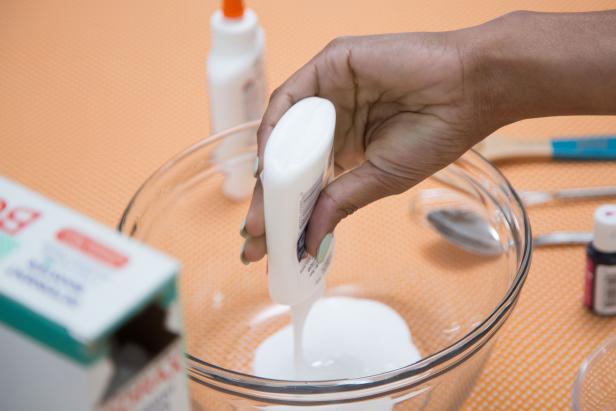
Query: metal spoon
[[471, 232], [467, 230]]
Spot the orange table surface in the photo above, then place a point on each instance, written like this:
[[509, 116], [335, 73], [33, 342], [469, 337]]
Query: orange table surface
[[95, 95]]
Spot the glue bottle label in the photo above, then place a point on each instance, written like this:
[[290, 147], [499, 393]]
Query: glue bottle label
[[308, 265], [306, 205]]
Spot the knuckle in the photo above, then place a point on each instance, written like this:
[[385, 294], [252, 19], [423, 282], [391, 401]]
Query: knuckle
[[274, 94], [389, 182], [337, 42], [336, 208], [516, 15], [282, 93], [263, 130], [253, 250]]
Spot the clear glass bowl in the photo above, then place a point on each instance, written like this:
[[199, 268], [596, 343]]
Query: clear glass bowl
[[594, 388], [454, 302]]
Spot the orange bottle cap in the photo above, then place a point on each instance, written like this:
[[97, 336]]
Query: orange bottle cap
[[233, 9]]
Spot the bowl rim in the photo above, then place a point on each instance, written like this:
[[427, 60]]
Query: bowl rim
[[347, 390], [608, 344]]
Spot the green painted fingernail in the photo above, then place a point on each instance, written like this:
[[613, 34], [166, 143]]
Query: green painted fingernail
[[243, 231], [255, 167], [324, 247], [242, 256]]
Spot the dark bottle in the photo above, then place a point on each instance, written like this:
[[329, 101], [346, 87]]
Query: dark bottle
[[600, 287]]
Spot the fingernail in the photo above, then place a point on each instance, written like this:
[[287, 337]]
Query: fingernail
[[242, 256], [324, 247], [243, 231], [255, 167]]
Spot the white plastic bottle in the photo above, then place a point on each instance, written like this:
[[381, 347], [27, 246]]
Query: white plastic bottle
[[236, 85], [297, 165]]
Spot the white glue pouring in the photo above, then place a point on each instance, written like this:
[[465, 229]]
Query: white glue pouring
[[297, 165], [330, 338], [343, 337]]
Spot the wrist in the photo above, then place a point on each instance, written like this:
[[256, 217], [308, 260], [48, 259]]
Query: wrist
[[527, 64], [493, 72]]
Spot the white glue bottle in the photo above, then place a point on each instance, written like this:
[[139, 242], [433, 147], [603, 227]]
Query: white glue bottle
[[236, 85], [297, 165]]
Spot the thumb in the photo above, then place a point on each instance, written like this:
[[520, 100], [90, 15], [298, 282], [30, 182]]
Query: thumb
[[346, 194]]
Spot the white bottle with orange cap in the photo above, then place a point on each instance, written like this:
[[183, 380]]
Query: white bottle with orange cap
[[236, 86]]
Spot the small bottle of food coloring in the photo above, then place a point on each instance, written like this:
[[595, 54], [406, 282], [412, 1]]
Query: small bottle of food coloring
[[600, 286]]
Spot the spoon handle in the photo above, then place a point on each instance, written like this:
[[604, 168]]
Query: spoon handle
[[562, 238], [541, 197], [587, 192]]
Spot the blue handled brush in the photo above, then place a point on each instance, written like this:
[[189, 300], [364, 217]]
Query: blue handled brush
[[497, 147]]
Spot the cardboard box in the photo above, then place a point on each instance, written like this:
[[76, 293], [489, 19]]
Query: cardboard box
[[89, 319]]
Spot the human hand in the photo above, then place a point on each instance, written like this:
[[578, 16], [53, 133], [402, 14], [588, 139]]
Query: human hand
[[402, 114], [409, 104]]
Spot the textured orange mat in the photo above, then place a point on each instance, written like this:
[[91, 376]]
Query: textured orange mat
[[95, 95]]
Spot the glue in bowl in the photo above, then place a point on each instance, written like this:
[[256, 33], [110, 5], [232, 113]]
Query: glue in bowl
[[453, 302]]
